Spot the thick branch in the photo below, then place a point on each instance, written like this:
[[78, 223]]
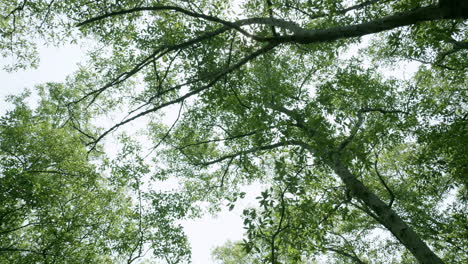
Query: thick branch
[[428, 13]]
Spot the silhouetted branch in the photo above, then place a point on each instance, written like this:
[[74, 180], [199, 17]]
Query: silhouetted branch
[[390, 192], [216, 77]]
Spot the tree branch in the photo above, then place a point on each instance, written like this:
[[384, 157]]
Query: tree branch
[[352, 133], [270, 12], [158, 53], [280, 226], [422, 14], [249, 151], [216, 77], [383, 111], [346, 254], [218, 140], [168, 131], [234, 25], [390, 192]]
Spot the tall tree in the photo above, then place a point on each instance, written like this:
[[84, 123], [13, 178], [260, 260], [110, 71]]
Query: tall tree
[[278, 91]]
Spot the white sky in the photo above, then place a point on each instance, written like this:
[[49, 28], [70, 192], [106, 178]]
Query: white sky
[[55, 64]]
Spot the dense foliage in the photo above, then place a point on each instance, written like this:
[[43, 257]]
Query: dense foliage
[[352, 114]]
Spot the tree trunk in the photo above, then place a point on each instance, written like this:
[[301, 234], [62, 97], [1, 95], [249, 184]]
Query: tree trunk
[[387, 216]]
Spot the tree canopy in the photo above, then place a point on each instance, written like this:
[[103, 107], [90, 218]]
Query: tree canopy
[[352, 114]]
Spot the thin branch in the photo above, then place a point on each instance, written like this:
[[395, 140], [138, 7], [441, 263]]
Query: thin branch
[[225, 172], [390, 192], [249, 151], [43, 253], [280, 225], [383, 111], [369, 212], [158, 53], [333, 211], [21, 227], [231, 137], [216, 78], [124, 76], [139, 244], [431, 63], [168, 131], [457, 46], [234, 25], [49, 8], [77, 128], [270, 13], [51, 172], [161, 80], [338, 12], [346, 254], [352, 133], [16, 9]]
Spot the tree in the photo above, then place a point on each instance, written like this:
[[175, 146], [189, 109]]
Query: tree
[[59, 205], [231, 253], [272, 91]]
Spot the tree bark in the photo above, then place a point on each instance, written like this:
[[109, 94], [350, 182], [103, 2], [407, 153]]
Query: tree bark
[[386, 215], [448, 9]]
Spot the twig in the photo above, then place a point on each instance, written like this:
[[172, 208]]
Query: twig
[[168, 131]]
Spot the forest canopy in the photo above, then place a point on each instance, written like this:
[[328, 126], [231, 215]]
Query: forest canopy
[[351, 115]]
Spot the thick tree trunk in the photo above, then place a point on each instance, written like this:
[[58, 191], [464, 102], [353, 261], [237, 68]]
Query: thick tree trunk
[[386, 215]]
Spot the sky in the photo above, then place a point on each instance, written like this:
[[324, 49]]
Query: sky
[[55, 64]]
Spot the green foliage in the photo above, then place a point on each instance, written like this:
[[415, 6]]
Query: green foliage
[[58, 205], [357, 165]]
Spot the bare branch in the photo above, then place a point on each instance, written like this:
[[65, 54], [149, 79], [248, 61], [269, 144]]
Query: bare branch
[[168, 131]]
